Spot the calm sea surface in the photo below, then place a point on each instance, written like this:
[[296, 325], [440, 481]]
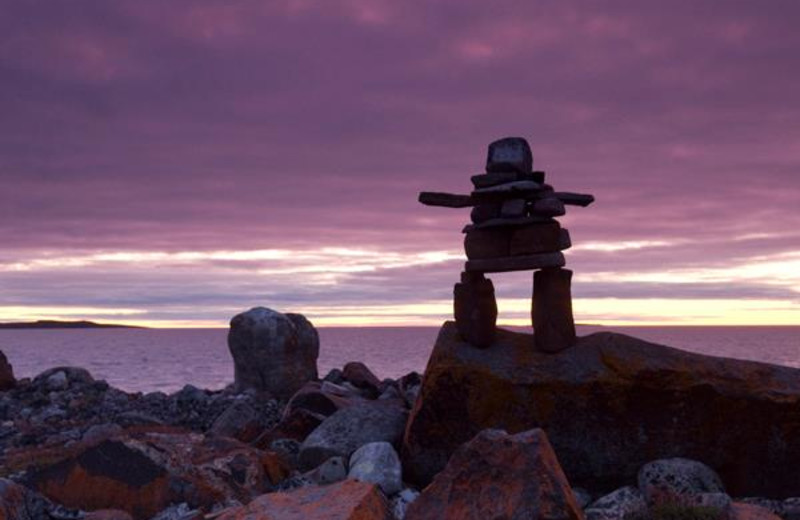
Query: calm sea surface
[[166, 359]]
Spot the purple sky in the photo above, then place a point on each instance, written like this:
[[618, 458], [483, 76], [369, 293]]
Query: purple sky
[[177, 162]]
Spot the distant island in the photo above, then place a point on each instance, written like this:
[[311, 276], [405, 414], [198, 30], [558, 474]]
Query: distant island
[[55, 324]]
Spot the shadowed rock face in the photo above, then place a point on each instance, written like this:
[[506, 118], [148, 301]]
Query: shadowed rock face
[[609, 405]]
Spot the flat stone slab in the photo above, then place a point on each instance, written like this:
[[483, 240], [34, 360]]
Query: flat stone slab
[[515, 241], [510, 187], [486, 180], [447, 200], [574, 199], [507, 222], [515, 263]]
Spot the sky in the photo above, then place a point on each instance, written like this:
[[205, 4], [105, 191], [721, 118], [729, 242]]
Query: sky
[[174, 163]]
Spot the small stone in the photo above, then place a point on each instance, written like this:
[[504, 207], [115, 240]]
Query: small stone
[[742, 511], [547, 207], [509, 153], [334, 376], [475, 309], [502, 222], [330, 471], [617, 505], [101, 432], [378, 463], [534, 239], [551, 314], [273, 352], [484, 212], [582, 497], [486, 243], [239, 421], [398, 505], [337, 389], [486, 180], [516, 189], [180, 511], [362, 377], [57, 381], [513, 208], [677, 479]]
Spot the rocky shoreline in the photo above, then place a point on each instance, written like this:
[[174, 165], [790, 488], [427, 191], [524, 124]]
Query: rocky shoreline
[[479, 436]]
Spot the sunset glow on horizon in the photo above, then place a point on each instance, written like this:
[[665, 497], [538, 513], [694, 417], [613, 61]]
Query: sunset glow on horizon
[[173, 164]]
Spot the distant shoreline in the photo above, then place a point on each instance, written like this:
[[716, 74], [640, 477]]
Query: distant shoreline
[[55, 324]]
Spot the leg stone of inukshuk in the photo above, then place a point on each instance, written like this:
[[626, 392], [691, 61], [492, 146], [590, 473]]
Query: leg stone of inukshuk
[[553, 324], [475, 309]]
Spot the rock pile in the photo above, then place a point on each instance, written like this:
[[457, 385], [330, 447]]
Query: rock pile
[[513, 229]]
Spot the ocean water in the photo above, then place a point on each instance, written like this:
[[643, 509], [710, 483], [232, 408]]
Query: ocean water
[[167, 359]]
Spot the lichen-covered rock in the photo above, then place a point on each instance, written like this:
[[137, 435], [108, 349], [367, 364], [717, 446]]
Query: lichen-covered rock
[[610, 404], [144, 473], [616, 505], [273, 352], [379, 464], [497, 475], [350, 428], [347, 500], [7, 380], [677, 479]]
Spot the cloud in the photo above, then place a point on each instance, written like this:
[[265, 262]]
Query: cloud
[[143, 128]]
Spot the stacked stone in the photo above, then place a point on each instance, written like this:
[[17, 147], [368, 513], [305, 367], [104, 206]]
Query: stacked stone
[[514, 229]]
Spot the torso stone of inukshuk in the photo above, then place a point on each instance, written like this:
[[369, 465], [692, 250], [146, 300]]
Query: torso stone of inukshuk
[[513, 229]]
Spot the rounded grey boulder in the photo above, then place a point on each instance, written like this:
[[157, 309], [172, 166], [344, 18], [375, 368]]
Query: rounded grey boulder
[[352, 427], [273, 351], [379, 464], [677, 478]]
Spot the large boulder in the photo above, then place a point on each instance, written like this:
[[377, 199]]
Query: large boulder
[[497, 475], [610, 404], [347, 500], [273, 351], [7, 380], [350, 428], [146, 472]]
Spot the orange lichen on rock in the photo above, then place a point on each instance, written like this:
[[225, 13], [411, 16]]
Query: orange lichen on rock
[[497, 475], [610, 404], [346, 500]]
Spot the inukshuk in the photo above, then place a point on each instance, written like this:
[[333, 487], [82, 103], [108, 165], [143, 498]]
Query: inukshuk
[[513, 229]]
